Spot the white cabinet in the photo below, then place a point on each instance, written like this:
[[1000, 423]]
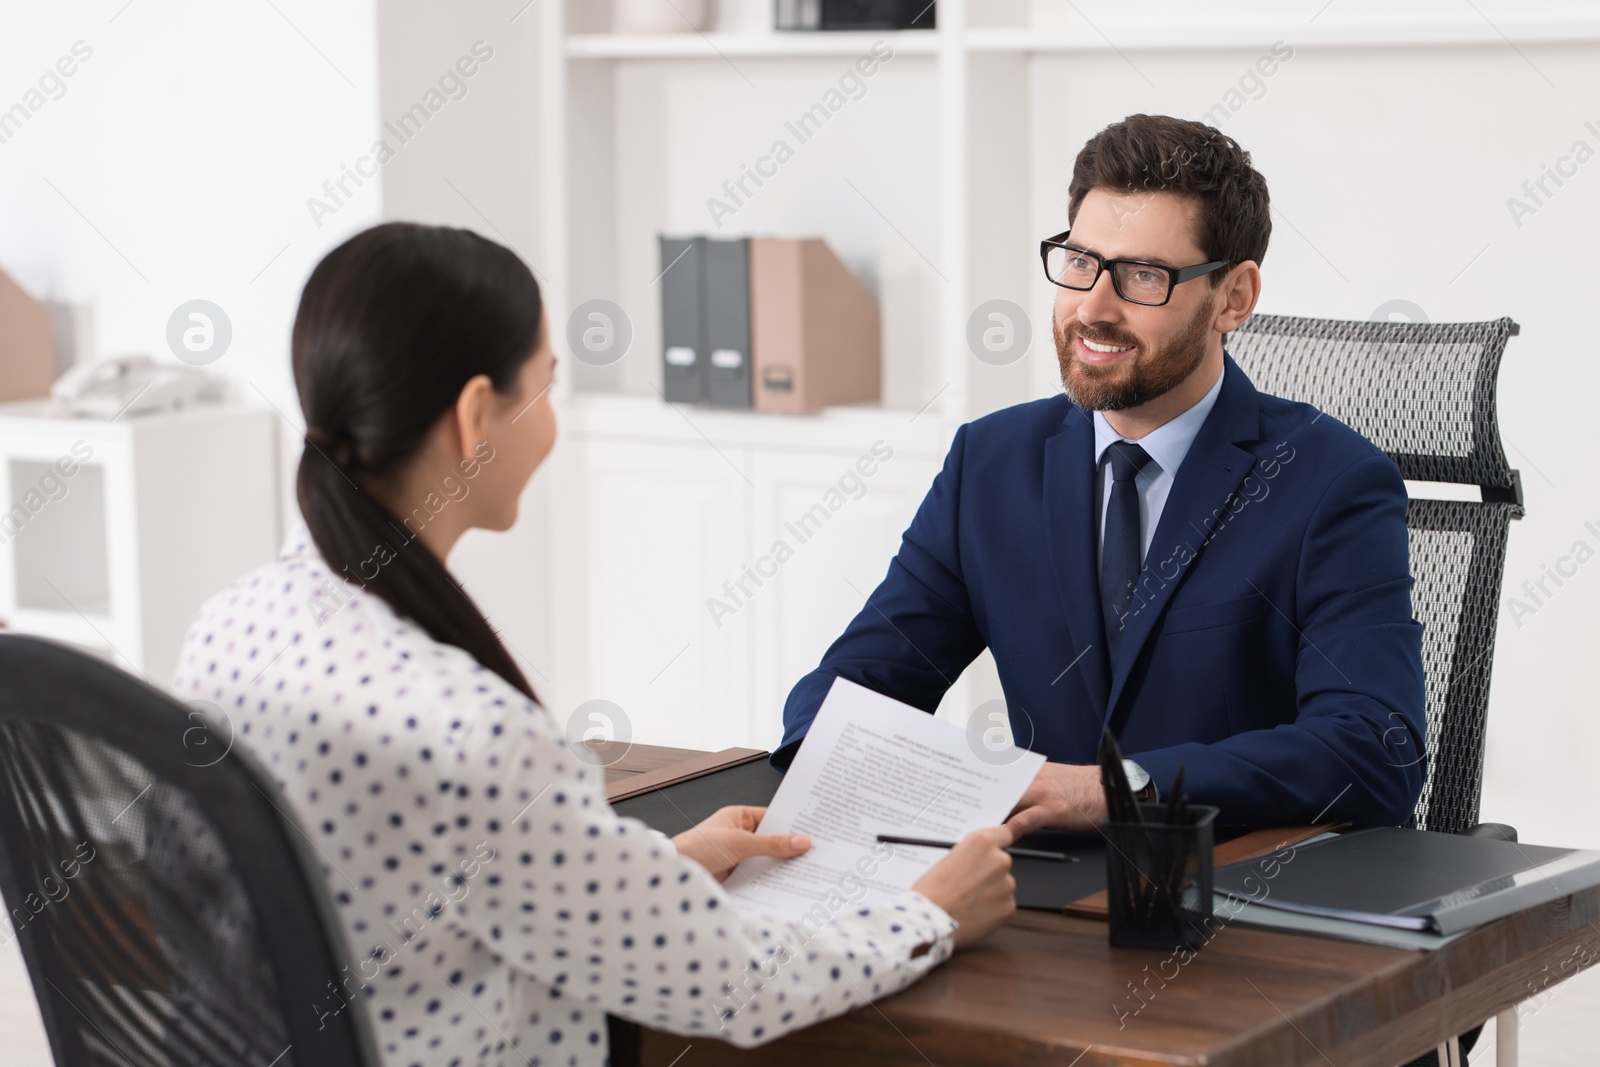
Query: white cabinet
[[654, 527], [703, 561], [114, 532], [842, 526]]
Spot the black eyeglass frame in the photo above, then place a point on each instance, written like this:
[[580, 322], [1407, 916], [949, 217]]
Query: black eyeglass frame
[[1176, 276]]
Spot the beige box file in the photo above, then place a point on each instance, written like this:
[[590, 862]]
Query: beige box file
[[27, 355], [814, 328]]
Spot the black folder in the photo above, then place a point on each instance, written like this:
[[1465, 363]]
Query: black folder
[[856, 15], [672, 809], [1045, 885], [1412, 879]]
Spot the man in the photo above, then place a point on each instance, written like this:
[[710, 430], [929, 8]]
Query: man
[[1219, 575]]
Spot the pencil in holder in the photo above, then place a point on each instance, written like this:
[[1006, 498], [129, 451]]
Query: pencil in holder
[[1158, 877]]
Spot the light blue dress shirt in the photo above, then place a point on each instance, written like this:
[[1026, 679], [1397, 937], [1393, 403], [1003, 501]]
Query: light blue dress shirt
[[1166, 445]]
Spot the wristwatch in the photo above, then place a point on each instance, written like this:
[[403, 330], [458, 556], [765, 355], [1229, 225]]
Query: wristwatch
[[1144, 790]]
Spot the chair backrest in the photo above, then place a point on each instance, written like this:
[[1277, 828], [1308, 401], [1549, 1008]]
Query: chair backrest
[[169, 908], [1425, 394]]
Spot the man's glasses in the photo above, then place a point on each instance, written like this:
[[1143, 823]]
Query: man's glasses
[[1135, 281]]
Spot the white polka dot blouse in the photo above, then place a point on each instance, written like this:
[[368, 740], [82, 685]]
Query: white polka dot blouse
[[495, 906]]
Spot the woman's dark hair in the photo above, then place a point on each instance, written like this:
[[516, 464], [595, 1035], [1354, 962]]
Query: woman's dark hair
[[392, 325], [1159, 153]]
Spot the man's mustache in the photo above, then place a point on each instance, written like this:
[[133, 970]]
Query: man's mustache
[[1099, 335]]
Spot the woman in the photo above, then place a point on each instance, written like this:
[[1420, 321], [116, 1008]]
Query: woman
[[500, 909]]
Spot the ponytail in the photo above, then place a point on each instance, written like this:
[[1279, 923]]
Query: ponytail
[[392, 325]]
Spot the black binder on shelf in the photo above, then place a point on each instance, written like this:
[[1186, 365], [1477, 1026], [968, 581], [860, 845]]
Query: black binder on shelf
[[684, 360], [855, 14], [727, 296], [1413, 879]]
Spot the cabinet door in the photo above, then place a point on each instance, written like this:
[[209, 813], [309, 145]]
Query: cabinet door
[[826, 529], [651, 529]]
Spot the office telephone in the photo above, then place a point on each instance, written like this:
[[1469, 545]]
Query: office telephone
[[135, 385]]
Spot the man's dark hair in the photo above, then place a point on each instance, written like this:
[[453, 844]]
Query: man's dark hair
[[1158, 153]]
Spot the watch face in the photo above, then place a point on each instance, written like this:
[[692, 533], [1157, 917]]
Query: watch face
[[1138, 777]]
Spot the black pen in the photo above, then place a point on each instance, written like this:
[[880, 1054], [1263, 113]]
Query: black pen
[[1024, 853]]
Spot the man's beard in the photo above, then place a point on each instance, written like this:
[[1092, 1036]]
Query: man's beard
[[1138, 380]]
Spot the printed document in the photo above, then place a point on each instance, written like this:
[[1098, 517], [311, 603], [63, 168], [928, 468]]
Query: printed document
[[871, 765]]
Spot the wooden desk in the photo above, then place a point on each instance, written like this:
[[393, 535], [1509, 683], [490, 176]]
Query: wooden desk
[[1049, 989]]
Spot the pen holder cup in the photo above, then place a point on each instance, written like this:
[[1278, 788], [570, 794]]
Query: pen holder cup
[[1158, 878]]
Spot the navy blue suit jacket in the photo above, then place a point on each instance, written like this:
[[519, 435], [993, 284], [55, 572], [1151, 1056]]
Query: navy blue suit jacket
[[1270, 649]]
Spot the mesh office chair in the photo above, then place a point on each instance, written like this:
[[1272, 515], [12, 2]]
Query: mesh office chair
[[1425, 394], [169, 909]]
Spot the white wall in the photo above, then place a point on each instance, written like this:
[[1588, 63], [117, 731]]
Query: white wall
[[474, 164], [177, 164], [1390, 169]]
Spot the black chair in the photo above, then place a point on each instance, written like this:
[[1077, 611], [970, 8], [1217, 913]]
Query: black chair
[[169, 909], [1425, 394]]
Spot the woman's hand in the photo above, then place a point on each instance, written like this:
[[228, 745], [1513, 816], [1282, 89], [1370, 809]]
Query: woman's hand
[[973, 884], [728, 836]]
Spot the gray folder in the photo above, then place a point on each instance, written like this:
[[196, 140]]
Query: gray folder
[[1413, 879], [727, 296], [683, 327]]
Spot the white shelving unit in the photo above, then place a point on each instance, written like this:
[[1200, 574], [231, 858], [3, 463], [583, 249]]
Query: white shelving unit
[[639, 132], [712, 45], [114, 532], [1190, 26], [922, 184], [934, 185]]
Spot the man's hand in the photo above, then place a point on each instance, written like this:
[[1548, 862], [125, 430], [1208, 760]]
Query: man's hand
[[1062, 797], [729, 836]]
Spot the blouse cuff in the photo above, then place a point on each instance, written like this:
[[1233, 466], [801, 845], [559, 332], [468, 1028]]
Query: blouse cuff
[[929, 929]]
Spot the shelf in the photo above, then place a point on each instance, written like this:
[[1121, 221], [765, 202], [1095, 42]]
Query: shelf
[[746, 45], [1399, 30], [43, 417], [845, 429], [1450, 28]]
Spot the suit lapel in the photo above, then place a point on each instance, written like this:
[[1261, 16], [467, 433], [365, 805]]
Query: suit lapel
[[1072, 540], [1211, 472]]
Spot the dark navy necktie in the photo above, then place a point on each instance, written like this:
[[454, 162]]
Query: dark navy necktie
[[1122, 552]]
